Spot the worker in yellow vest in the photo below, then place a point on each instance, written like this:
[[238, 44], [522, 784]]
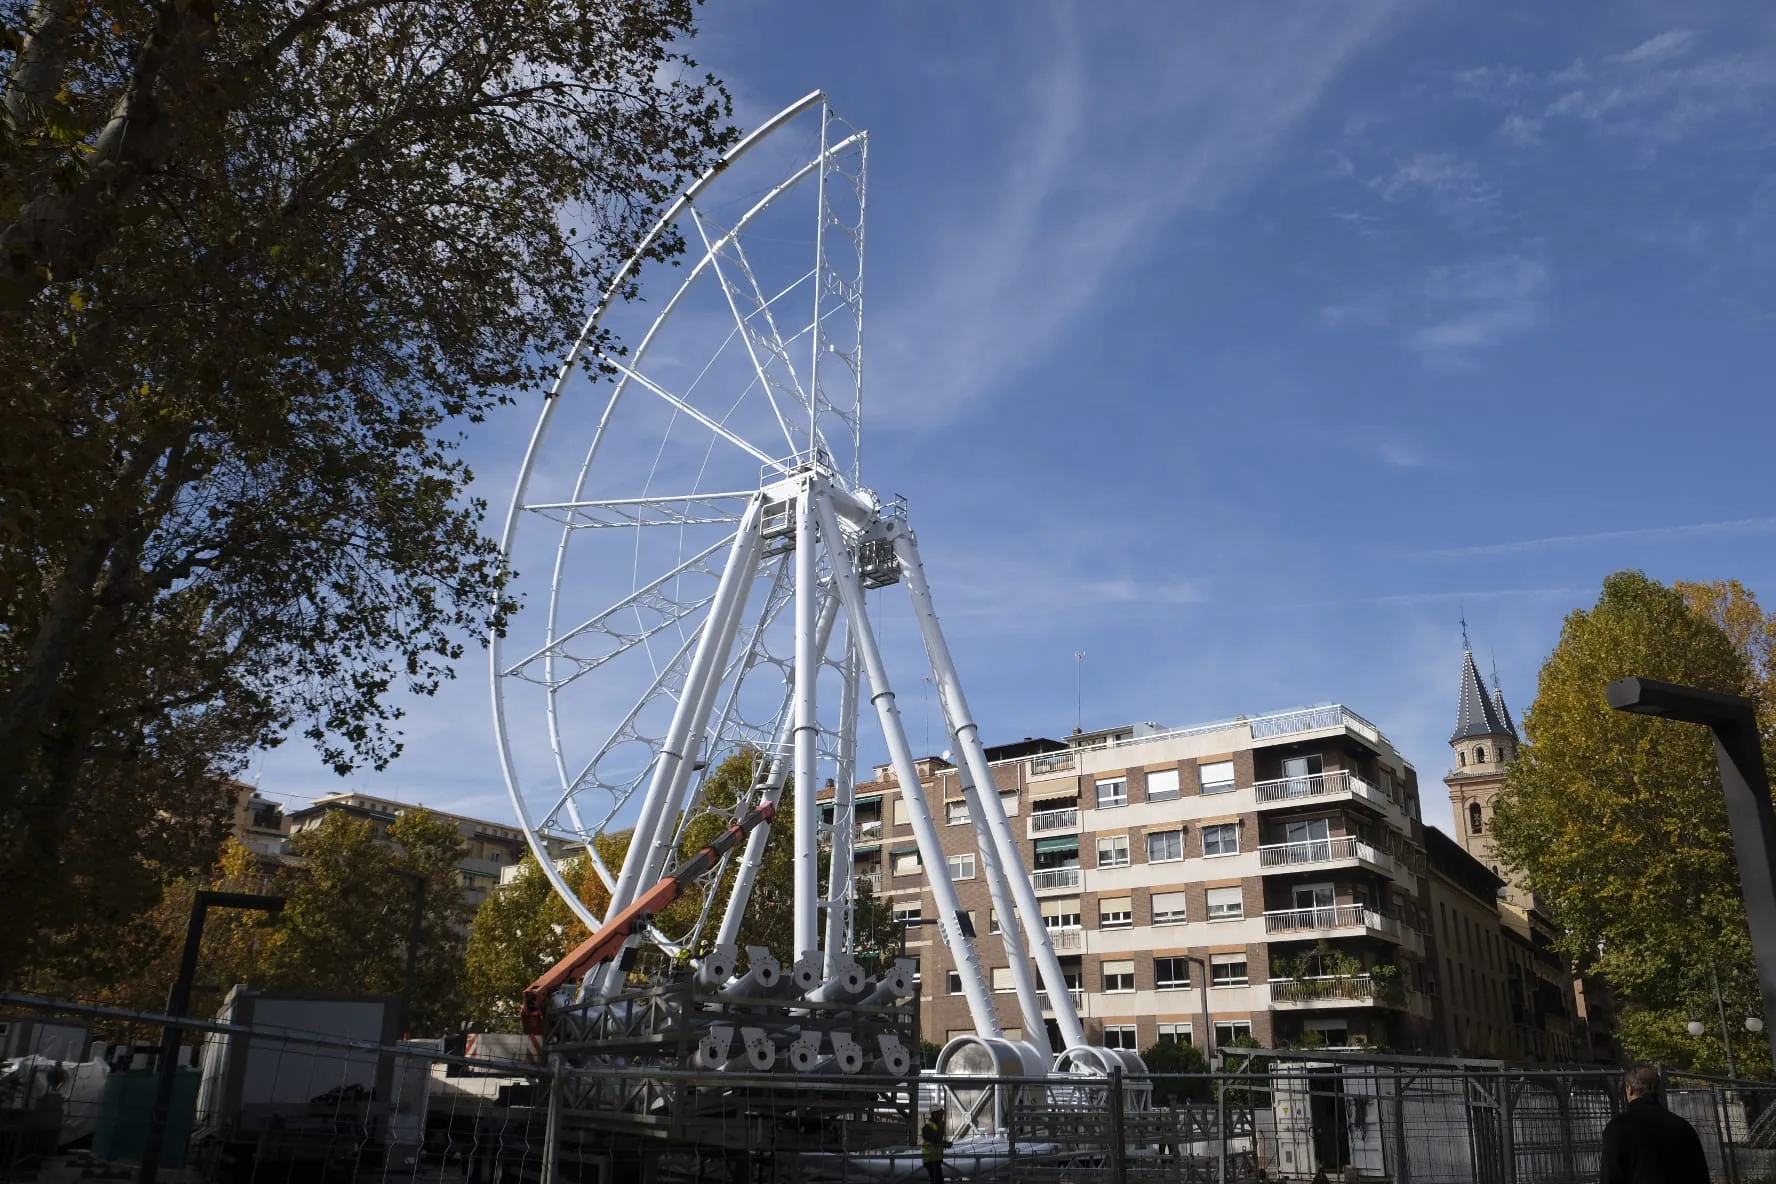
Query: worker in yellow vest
[[932, 1144]]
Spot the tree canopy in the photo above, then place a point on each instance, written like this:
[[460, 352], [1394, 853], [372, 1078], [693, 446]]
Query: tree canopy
[[1618, 823], [349, 915], [258, 263], [349, 893]]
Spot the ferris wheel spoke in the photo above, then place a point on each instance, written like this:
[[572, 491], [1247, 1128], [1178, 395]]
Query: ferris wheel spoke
[[668, 610], [721, 733], [700, 509], [692, 411], [669, 682], [768, 342], [772, 337]]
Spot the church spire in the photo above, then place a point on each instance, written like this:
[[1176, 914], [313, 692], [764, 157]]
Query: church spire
[[1498, 701], [1480, 715]]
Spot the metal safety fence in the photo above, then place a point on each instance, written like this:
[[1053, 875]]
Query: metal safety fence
[[274, 1101]]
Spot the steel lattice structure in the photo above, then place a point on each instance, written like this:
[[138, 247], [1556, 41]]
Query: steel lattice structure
[[697, 504]]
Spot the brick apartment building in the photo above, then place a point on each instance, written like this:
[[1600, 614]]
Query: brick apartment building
[[493, 846], [1283, 853]]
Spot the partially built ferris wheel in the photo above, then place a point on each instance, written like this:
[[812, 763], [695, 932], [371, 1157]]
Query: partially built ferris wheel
[[697, 545]]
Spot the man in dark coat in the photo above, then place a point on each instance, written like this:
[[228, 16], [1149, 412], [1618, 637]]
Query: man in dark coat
[[1648, 1144]]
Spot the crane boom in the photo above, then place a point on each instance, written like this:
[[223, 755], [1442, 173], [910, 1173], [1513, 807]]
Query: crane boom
[[605, 944]]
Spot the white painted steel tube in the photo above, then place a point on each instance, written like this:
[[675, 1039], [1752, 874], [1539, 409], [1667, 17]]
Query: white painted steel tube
[[949, 920], [771, 792], [665, 832], [974, 756], [896, 983], [840, 902], [763, 973], [844, 985], [807, 732], [684, 727], [999, 887]]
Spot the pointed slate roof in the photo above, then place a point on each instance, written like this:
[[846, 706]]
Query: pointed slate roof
[[1504, 713], [1479, 715]]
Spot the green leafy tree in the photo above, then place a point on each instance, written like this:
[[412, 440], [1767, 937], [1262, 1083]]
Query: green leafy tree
[[259, 265], [349, 910], [523, 929], [132, 964], [1177, 1058], [1618, 822]]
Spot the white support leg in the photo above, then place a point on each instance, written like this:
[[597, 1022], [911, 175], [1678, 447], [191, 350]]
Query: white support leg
[[666, 834], [677, 754], [770, 791], [840, 898], [807, 733], [974, 757], [950, 916], [1035, 1030], [686, 728]]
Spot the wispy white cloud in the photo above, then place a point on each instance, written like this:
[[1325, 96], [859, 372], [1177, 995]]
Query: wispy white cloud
[[1659, 48], [1020, 592], [1451, 185], [1111, 145], [1371, 311], [1412, 599], [1655, 96], [1474, 305], [1642, 534]]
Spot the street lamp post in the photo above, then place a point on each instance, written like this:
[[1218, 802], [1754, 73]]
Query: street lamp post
[[1738, 750], [1201, 965], [178, 999]]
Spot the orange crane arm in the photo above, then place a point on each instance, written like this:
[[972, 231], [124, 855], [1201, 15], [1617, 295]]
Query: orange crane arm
[[604, 945]]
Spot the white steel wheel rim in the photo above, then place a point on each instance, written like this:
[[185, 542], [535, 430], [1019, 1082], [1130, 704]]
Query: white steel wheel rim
[[815, 402]]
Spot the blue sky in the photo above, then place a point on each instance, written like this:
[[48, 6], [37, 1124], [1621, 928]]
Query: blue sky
[[1245, 348]]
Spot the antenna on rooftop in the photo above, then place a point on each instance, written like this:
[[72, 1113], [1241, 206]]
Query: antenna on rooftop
[[1078, 690]]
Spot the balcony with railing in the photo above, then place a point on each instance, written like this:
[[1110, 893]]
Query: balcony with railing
[[1344, 990], [1341, 919], [1324, 852], [1067, 940], [1045, 763], [873, 879], [1044, 822], [1077, 995], [867, 833], [1317, 788], [1048, 879]]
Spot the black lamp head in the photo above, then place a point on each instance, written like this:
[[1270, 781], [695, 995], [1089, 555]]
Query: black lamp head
[[1649, 696]]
